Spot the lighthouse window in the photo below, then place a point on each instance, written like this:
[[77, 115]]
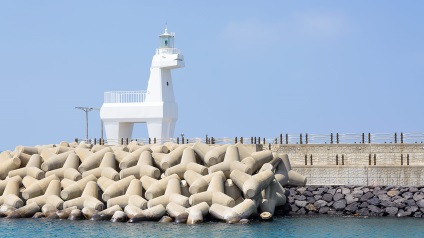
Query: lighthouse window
[[166, 42], [167, 83]]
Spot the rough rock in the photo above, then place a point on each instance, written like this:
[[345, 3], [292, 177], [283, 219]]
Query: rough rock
[[392, 211], [327, 197], [339, 205], [366, 196], [392, 193], [301, 203], [338, 196], [324, 210]]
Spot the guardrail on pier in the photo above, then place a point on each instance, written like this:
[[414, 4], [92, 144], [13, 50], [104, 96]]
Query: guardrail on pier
[[332, 138]]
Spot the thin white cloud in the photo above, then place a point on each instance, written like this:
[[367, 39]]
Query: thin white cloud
[[254, 32]]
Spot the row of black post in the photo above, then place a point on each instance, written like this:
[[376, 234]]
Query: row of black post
[[257, 140]]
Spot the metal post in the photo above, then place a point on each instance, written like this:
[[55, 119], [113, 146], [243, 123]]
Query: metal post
[[235, 140], [369, 138], [255, 140], [287, 138], [337, 138], [150, 140], [300, 139], [401, 159], [251, 140], [407, 159], [241, 140], [337, 159], [178, 140], [306, 138], [264, 141], [395, 137], [311, 160], [375, 159], [306, 159], [206, 138], [369, 159], [331, 138], [86, 110], [363, 138], [281, 139], [342, 159], [154, 140], [401, 137]]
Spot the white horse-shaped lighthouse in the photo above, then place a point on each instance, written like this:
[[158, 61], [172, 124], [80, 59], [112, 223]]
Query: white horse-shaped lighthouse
[[156, 107]]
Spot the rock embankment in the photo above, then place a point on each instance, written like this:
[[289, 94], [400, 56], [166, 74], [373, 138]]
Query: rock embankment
[[356, 200]]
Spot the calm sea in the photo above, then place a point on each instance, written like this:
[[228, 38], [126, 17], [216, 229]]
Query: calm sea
[[316, 226]]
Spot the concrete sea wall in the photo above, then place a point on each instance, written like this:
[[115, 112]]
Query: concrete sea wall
[[356, 200], [357, 164]]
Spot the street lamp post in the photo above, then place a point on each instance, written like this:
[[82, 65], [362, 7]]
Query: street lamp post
[[86, 110]]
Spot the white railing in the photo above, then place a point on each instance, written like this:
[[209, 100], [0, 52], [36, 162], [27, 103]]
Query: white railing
[[162, 51], [125, 97]]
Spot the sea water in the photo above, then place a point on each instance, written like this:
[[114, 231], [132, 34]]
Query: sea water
[[288, 226]]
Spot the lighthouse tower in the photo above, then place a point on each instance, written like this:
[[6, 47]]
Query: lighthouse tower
[[156, 107]]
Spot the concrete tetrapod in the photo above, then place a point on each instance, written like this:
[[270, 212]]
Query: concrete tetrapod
[[173, 158], [75, 190], [32, 169], [65, 213], [3, 183], [38, 187], [172, 194], [11, 194], [69, 169], [132, 158], [94, 160], [252, 185], [134, 189], [294, 178], [106, 214], [177, 212], [215, 155], [188, 162], [8, 165], [257, 159], [151, 214], [197, 212], [244, 151], [88, 198], [26, 211], [49, 210], [6, 210], [235, 214], [56, 161], [201, 150], [106, 169], [155, 188], [214, 194], [230, 163], [197, 182], [83, 153], [119, 216], [118, 188], [144, 167], [51, 196], [233, 191]]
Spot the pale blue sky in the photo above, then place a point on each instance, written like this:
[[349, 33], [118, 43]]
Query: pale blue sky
[[253, 68]]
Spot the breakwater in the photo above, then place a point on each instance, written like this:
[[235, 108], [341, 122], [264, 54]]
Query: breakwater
[[356, 200], [169, 182]]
